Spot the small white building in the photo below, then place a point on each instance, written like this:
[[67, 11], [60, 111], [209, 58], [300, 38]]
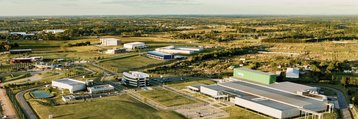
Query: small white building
[[54, 31], [114, 51], [100, 89], [70, 84], [293, 73], [68, 98], [22, 33], [213, 91], [110, 42], [134, 45], [179, 50]]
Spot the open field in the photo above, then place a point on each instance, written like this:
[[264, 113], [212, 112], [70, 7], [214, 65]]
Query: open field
[[119, 107], [132, 62], [166, 98]]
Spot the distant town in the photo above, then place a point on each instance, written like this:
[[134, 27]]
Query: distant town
[[179, 67]]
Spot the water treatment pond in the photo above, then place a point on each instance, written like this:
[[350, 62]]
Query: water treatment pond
[[40, 94]]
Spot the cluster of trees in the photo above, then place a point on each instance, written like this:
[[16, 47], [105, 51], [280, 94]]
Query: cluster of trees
[[183, 66], [93, 26], [87, 43], [5, 46], [207, 36]]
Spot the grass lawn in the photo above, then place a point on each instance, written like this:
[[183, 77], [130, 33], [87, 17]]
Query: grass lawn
[[118, 107], [14, 76], [129, 63], [240, 113], [166, 98], [191, 82]]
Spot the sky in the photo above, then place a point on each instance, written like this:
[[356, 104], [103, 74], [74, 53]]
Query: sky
[[177, 7]]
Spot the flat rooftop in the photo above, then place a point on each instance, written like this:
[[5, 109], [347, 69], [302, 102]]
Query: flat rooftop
[[101, 86], [158, 53], [276, 95], [135, 74], [70, 81], [291, 87], [256, 99]]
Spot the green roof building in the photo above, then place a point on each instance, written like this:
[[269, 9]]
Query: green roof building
[[255, 76]]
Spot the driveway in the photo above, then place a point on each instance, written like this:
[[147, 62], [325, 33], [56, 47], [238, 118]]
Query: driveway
[[30, 114], [343, 104]]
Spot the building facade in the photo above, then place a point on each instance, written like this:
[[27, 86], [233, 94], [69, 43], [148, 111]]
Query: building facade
[[70, 84], [135, 79], [160, 55], [134, 45], [110, 42], [255, 76]]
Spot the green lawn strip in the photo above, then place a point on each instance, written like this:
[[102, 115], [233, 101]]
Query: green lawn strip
[[166, 98]]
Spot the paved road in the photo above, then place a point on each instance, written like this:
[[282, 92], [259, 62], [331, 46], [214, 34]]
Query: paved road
[[8, 109], [343, 104], [30, 114]]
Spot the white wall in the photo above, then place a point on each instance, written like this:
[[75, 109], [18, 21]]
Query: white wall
[[266, 110], [208, 91], [72, 88]]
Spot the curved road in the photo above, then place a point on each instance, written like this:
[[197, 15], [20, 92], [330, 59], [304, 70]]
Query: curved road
[[342, 102], [30, 114]]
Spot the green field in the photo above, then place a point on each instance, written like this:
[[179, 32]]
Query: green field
[[166, 98], [119, 107], [240, 113], [129, 63]]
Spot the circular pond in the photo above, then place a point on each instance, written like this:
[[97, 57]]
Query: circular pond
[[40, 94]]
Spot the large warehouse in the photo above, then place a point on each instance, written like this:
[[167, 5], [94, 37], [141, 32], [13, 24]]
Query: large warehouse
[[134, 45], [278, 100], [179, 50], [135, 79], [70, 84], [160, 55], [20, 51]]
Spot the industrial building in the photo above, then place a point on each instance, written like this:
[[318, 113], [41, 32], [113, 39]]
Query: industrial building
[[134, 45], [293, 73], [20, 51], [135, 79], [278, 100], [71, 84], [255, 76], [179, 50], [110, 42], [160, 55], [54, 31], [115, 51], [25, 60], [20, 60], [100, 89], [21, 34]]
